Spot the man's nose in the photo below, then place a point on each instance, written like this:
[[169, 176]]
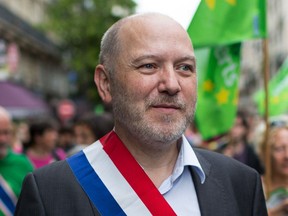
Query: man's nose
[[169, 81]]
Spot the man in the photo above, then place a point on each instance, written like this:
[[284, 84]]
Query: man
[[145, 166], [13, 167], [242, 149]]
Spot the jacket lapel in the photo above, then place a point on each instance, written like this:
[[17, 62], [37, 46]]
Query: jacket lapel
[[210, 194]]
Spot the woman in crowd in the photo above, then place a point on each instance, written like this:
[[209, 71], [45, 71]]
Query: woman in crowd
[[41, 149], [276, 177]]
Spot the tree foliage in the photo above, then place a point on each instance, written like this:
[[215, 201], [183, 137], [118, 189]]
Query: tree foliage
[[79, 25]]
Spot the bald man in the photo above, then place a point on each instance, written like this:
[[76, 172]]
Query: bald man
[[13, 167], [145, 166]]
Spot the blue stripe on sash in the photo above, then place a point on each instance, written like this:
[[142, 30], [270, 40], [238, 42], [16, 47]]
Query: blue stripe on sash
[[6, 200], [93, 186]]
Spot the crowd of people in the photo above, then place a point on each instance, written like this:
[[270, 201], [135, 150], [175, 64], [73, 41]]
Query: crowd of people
[[139, 160], [28, 145], [248, 143]]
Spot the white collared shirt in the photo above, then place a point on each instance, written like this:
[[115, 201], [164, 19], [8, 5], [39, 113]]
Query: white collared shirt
[[178, 189]]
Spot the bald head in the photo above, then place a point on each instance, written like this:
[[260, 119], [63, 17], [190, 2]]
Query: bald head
[[4, 114], [5, 131], [130, 28]]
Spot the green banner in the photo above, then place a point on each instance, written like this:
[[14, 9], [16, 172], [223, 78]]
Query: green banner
[[278, 93], [218, 74], [219, 22]]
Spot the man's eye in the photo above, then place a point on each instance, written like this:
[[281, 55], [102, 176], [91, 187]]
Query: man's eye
[[148, 66], [186, 68]]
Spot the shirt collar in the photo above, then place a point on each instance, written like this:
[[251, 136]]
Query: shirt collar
[[187, 157]]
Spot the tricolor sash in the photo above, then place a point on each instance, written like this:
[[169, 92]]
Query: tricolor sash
[[8, 198], [115, 182]]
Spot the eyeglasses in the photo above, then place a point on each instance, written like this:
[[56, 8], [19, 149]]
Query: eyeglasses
[[278, 123]]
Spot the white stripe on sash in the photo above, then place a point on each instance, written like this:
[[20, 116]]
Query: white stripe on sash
[[8, 190], [4, 209], [122, 192], [9, 199]]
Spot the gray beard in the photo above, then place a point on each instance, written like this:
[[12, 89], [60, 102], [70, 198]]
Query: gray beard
[[147, 132], [127, 116]]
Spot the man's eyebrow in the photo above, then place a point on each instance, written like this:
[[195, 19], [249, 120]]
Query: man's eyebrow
[[142, 57], [188, 58]]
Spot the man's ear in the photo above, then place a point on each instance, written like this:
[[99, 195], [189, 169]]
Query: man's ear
[[102, 81]]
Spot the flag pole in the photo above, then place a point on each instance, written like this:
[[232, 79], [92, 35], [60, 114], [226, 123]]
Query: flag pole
[[266, 147]]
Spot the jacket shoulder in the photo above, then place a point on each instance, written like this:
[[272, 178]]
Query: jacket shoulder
[[50, 186], [57, 168], [221, 163]]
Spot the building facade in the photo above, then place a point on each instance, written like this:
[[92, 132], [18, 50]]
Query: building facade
[[27, 55]]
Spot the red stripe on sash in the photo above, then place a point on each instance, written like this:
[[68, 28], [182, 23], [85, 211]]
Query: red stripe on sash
[[135, 175]]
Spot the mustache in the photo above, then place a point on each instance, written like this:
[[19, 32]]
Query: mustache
[[165, 99]]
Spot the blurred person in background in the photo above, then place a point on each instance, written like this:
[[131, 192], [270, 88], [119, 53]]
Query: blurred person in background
[[84, 130], [20, 136], [89, 128], [66, 138], [277, 190], [242, 150], [41, 148], [13, 167]]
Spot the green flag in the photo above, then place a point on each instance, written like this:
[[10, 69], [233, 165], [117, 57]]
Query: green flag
[[218, 22], [278, 93], [218, 73]]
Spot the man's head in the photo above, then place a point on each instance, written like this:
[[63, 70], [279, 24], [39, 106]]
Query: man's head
[[240, 128], [43, 133], [5, 132], [91, 127], [147, 71]]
